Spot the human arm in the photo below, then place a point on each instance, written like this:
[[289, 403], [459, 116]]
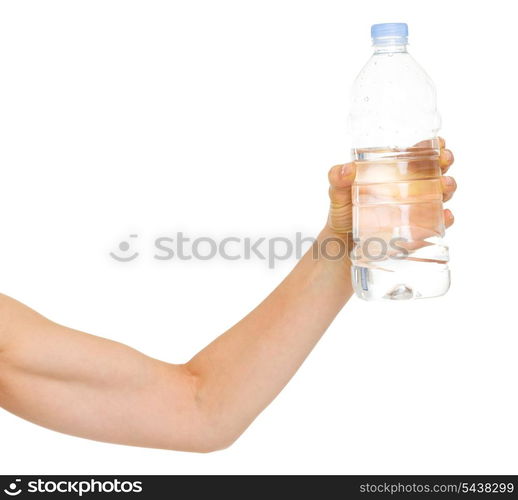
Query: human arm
[[95, 388]]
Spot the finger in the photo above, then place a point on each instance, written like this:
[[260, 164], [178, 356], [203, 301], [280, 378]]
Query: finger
[[449, 186], [448, 218], [341, 178], [431, 143], [445, 160]]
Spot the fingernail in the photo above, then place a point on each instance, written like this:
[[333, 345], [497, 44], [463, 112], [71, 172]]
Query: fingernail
[[346, 170], [449, 155], [449, 181]]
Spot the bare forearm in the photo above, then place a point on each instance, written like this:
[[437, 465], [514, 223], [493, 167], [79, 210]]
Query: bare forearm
[[106, 391], [99, 389], [243, 370]]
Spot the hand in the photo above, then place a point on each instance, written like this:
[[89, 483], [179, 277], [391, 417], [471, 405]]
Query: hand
[[341, 178]]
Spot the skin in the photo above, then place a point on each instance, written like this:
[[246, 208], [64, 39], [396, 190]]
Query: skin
[[92, 387]]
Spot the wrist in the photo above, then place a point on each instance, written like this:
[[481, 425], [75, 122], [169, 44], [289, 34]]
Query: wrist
[[332, 250], [327, 266], [334, 245]]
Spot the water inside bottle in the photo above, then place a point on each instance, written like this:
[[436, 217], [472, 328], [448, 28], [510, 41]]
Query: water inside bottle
[[398, 224]]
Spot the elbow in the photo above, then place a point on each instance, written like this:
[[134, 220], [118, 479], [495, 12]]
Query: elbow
[[214, 437], [213, 427], [212, 445], [213, 449], [206, 437], [214, 432]]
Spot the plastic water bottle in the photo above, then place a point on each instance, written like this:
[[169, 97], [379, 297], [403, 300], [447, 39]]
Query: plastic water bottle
[[398, 221]]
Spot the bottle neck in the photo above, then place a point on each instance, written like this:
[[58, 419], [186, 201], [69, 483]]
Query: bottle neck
[[390, 49], [390, 44]]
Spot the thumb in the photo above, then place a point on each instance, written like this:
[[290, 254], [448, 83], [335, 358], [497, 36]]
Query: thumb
[[341, 178]]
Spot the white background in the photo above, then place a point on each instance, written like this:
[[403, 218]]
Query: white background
[[222, 118]]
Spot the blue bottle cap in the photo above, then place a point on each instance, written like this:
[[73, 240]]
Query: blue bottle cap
[[389, 30]]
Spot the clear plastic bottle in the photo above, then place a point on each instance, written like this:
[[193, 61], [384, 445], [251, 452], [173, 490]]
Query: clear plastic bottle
[[398, 221]]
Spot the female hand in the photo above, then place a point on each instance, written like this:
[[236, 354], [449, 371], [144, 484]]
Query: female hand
[[341, 178]]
